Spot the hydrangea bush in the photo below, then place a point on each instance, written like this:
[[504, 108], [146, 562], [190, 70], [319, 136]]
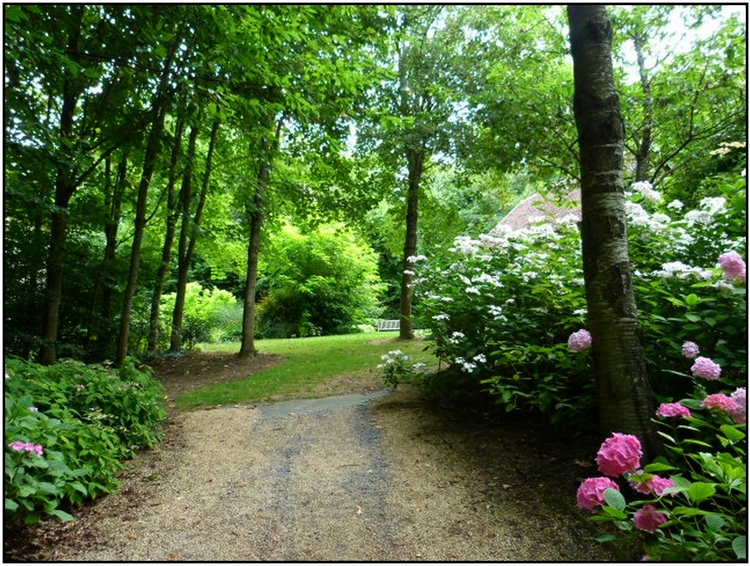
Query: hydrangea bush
[[502, 307], [397, 367], [67, 428], [697, 510]]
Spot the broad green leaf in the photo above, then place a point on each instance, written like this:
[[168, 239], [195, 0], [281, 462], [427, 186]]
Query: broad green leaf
[[739, 545], [658, 467], [614, 498], [732, 433], [714, 522], [10, 505], [683, 511], [62, 515], [700, 491]]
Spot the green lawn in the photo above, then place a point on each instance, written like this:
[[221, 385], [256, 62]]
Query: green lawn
[[307, 363]]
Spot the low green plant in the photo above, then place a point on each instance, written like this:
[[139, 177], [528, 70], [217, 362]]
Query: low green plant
[[67, 428], [398, 368]]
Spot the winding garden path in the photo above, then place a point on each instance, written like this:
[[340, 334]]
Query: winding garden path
[[354, 478]]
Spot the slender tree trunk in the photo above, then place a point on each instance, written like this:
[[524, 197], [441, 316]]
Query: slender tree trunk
[[644, 148], [254, 211], [64, 188], [415, 160], [55, 265], [154, 326], [193, 231], [623, 392], [149, 164], [186, 195], [105, 329]]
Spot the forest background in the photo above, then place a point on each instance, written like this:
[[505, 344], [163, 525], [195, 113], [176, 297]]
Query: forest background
[[166, 165]]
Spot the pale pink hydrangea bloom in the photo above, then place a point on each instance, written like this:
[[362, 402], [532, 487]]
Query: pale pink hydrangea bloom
[[740, 399], [591, 492], [579, 340], [619, 454], [733, 266], [706, 369], [672, 410], [20, 446], [720, 402], [648, 519], [690, 350], [653, 484]]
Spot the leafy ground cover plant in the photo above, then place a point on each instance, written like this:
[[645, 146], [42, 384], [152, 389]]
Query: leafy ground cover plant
[[67, 428]]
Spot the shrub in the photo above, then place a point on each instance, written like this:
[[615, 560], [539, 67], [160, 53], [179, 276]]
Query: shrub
[[84, 419], [699, 512], [397, 368], [319, 284], [210, 315], [501, 306]]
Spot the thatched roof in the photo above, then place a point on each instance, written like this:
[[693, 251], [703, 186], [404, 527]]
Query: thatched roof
[[550, 208]]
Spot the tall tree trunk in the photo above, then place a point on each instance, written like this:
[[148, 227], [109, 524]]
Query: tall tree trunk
[[149, 164], [644, 147], [188, 239], [105, 330], [415, 159], [254, 212], [112, 203], [65, 186], [623, 392], [154, 326]]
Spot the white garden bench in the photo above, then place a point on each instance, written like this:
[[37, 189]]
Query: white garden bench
[[385, 325]]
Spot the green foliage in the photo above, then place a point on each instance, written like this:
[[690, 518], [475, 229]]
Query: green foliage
[[210, 315], [397, 368], [84, 419], [322, 283]]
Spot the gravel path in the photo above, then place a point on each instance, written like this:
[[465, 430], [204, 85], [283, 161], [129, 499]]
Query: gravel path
[[344, 479]]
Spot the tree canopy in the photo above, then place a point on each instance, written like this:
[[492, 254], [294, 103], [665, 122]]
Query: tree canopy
[[152, 146]]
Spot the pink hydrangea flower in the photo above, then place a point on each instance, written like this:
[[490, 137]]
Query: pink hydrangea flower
[[648, 519], [648, 484], [720, 402], [706, 368], [18, 446], [659, 485], [591, 492], [579, 340], [690, 350], [740, 399], [672, 410], [733, 266], [619, 454]]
